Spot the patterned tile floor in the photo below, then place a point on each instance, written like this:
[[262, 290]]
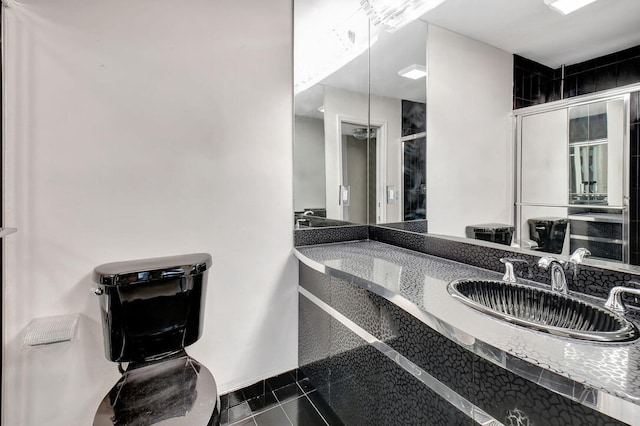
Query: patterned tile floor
[[285, 400]]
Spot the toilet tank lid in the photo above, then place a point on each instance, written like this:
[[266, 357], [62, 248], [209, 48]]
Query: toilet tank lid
[[143, 270]]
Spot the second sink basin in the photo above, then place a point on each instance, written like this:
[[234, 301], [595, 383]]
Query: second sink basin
[[543, 310]]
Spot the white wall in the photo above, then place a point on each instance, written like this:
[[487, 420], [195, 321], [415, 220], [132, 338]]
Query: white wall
[[138, 129], [469, 154], [308, 164]]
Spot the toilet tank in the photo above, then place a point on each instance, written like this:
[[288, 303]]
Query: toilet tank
[[151, 307]]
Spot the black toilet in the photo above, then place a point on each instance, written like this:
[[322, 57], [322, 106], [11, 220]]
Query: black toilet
[[151, 310], [548, 233]]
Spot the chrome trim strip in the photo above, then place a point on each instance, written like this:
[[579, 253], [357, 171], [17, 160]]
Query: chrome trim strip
[[310, 263], [589, 142], [597, 239], [413, 137], [458, 401], [606, 218], [577, 100], [590, 206]]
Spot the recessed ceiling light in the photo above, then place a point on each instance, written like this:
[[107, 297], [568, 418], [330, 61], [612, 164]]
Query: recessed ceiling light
[[567, 6], [413, 72]]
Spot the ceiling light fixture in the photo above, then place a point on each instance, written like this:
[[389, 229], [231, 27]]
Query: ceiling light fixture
[[567, 6], [395, 14], [413, 72]]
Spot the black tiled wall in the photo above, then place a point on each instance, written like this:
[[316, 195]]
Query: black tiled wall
[[534, 83], [606, 72]]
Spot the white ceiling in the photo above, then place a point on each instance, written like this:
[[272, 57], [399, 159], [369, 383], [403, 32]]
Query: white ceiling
[[531, 29], [525, 27]]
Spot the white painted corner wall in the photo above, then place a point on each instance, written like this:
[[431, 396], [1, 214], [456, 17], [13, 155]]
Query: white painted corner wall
[[308, 164], [137, 129], [469, 139]]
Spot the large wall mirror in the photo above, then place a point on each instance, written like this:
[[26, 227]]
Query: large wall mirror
[[359, 146], [415, 121]]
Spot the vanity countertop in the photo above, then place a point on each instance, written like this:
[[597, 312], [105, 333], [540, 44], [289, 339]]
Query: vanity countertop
[[604, 376]]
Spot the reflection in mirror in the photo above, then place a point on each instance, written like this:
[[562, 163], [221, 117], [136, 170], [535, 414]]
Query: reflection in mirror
[[456, 165], [350, 75], [582, 145]]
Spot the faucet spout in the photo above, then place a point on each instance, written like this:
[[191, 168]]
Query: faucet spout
[[558, 278]]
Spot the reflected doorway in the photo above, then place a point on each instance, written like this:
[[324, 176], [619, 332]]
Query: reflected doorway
[[359, 190]]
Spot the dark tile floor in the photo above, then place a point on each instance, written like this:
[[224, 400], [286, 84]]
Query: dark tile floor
[[285, 400]]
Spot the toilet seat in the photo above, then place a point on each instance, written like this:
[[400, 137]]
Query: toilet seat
[[176, 390]]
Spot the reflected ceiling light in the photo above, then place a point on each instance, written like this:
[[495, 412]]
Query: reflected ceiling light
[[413, 72], [567, 6], [321, 108], [395, 14]]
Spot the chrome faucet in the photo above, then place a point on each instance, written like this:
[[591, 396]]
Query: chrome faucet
[[558, 279], [579, 255], [614, 301], [576, 258], [299, 222], [308, 213], [509, 275]]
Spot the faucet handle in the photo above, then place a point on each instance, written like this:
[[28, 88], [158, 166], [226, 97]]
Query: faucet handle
[[579, 255], [546, 261], [614, 301], [509, 274]]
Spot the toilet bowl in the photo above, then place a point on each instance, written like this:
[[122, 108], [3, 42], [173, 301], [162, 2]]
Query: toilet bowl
[[151, 310]]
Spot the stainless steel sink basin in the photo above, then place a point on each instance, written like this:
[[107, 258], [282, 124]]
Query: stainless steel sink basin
[[543, 310]]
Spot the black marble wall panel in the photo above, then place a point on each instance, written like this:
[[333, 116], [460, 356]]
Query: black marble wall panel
[[364, 387], [311, 236], [414, 179], [414, 117]]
